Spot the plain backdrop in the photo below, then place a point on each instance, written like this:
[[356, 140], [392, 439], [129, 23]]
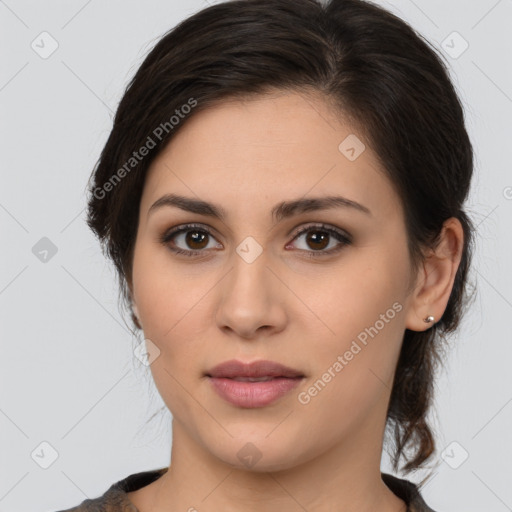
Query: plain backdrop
[[74, 401]]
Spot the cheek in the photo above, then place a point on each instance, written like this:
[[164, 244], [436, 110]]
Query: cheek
[[354, 373], [355, 360], [173, 317], [173, 307], [353, 296], [165, 295]]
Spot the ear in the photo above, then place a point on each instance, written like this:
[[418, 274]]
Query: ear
[[135, 315], [135, 311], [436, 277]]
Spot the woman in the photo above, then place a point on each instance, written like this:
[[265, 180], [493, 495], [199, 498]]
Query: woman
[[282, 194]]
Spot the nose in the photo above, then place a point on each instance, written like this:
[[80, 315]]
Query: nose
[[251, 300]]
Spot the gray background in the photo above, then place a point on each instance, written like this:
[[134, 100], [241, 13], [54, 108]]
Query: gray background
[[68, 374]]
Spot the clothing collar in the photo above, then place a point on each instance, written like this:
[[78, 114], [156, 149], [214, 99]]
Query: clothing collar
[[116, 499]]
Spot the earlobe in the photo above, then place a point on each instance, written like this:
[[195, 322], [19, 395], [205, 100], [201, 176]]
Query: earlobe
[[437, 275]]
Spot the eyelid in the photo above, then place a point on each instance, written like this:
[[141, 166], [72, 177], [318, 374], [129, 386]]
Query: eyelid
[[321, 226]]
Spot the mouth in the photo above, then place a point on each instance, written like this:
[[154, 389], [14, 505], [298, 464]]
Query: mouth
[[257, 384]]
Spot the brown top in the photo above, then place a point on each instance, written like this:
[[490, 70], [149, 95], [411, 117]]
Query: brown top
[[115, 498]]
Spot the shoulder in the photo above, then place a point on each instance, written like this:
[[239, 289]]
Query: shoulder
[[115, 499], [408, 492]]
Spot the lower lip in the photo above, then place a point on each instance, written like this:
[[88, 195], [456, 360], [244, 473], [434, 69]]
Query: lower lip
[[253, 394]]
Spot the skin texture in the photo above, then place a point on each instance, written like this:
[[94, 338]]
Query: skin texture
[[205, 309]]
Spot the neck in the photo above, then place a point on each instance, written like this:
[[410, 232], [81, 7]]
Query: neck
[[342, 477]]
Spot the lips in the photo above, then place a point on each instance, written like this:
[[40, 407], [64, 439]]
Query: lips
[[257, 371], [251, 385]]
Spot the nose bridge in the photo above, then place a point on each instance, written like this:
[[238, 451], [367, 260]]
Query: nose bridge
[[250, 260], [249, 297], [249, 278]]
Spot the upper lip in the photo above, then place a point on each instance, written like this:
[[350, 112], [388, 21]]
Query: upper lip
[[262, 368]]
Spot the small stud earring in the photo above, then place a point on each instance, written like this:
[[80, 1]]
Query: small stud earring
[[429, 319]]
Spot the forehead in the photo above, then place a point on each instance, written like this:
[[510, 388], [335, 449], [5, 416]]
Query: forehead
[[269, 148]]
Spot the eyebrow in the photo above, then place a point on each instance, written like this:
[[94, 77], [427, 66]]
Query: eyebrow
[[279, 212]]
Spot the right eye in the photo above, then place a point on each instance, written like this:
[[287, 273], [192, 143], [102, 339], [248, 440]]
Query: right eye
[[194, 236]]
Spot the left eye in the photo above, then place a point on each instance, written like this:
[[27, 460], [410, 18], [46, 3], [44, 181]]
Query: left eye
[[318, 237], [197, 237]]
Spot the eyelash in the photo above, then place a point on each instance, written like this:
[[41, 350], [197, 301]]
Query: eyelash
[[338, 234]]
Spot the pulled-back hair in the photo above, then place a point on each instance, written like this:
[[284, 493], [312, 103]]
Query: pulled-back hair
[[370, 67]]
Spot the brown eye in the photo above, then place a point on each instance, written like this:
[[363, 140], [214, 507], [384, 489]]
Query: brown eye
[[196, 239], [189, 240], [318, 238]]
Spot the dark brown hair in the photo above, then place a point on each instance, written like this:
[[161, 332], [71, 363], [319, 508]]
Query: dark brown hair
[[371, 68]]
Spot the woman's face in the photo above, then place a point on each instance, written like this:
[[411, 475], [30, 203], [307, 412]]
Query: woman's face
[[248, 287]]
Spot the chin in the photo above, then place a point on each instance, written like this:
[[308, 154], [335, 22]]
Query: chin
[[259, 454]]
